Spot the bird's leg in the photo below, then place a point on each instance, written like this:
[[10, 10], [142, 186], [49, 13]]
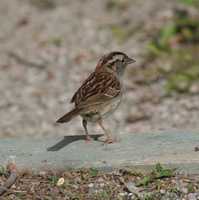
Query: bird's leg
[[109, 138], [84, 123]]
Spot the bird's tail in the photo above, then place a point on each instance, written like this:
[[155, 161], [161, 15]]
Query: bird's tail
[[68, 116]]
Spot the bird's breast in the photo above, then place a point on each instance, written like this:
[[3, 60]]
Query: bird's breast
[[110, 107]]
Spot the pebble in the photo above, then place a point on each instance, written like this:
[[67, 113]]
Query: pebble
[[60, 181], [42, 173], [194, 89], [90, 185], [162, 191], [100, 180], [101, 184], [122, 194], [184, 190], [192, 196], [132, 188]]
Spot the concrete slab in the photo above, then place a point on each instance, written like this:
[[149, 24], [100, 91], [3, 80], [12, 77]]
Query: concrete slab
[[138, 151]]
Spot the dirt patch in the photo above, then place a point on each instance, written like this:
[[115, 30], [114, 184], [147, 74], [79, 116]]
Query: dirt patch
[[161, 183]]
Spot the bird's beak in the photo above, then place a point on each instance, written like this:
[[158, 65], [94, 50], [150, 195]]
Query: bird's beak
[[130, 60]]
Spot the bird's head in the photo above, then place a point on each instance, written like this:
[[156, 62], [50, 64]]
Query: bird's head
[[114, 62]]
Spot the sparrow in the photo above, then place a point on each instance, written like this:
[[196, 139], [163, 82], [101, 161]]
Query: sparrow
[[101, 93]]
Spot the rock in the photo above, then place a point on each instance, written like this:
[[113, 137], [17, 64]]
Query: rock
[[136, 190], [194, 89], [132, 188], [92, 189], [192, 196], [184, 190], [90, 185], [123, 194], [170, 196], [162, 191], [42, 173], [60, 182]]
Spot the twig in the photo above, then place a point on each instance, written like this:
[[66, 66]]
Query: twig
[[26, 62], [11, 179]]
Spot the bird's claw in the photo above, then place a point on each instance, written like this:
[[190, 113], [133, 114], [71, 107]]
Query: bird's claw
[[88, 139]]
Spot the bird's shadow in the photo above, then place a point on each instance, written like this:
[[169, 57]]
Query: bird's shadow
[[69, 139]]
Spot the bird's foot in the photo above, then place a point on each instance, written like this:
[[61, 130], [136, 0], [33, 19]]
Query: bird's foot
[[88, 139], [109, 140]]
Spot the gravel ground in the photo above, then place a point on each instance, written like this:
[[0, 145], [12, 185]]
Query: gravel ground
[[91, 184], [44, 55]]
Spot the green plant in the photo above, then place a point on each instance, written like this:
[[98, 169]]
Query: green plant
[[190, 2], [158, 172], [145, 181], [177, 82], [165, 35], [119, 5], [182, 30], [190, 188], [175, 48], [53, 180], [161, 172], [2, 170], [93, 172], [57, 41], [103, 195], [148, 197]]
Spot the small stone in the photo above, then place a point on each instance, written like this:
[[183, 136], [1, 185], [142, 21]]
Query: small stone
[[184, 190], [13, 186], [122, 194], [42, 173], [75, 186], [90, 185], [170, 196], [60, 181], [132, 188], [194, 89], [101, 184], [132, 197], [100, 180], [192, 196], [162, 191], [93, 188]]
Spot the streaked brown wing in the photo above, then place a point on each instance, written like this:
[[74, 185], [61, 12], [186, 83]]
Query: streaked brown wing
[[97, 87], [78, 94]]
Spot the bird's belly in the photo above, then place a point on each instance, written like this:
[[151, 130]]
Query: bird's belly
[[101, 111], [108, 109]]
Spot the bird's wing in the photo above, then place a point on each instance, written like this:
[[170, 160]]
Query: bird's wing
[[97, 88], [77, 96]]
